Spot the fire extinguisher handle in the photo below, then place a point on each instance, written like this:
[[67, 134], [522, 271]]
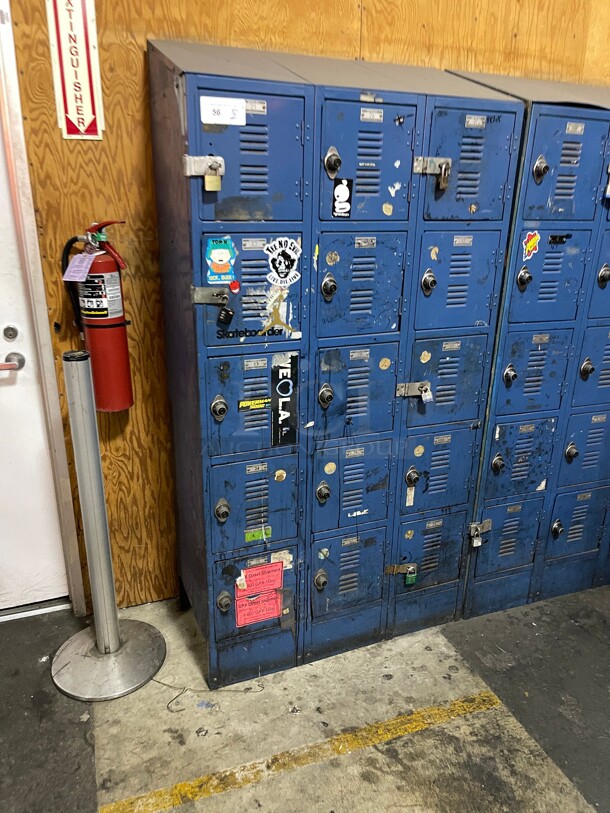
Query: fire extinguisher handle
[[105, 246], [97, 227]]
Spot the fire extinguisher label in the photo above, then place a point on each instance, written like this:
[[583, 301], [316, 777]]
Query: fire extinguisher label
[[99, 296]]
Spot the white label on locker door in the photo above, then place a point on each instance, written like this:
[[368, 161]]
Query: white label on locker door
[[462, 240], [365, 242], [255, 364], [221, 110], [371, 114], [357, 452], [410, 496], [479, 122], [575, 128]]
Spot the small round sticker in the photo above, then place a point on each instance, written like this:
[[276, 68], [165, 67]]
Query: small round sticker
[[425, 357], [418, 451], [384, 363], [330, 468], [434, 253], [387, 209], [332, 258], [409, 534], [280, 476]]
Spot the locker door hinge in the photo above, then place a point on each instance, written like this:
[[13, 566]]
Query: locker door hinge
[[303, 133], [477, 529], [415, 389], [301, 182]]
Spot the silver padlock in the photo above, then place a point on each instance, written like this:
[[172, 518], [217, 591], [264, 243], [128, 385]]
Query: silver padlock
[[426, 394]]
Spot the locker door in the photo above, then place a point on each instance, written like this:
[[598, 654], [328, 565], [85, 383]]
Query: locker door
[[253, 503], [512, 539], [571, 147], [348, 570], [599, 307], [437, 470], [434, 546], [359, 283], [533, 371], [457, 274], [479, 146], [263, 157], [268, 305], [593, 376], [361, 385], [577, 522], [350, 485], [548, 280], [252, 594], [252, 402], [374, 144], [519, 458], [586, 449], [454, 368]]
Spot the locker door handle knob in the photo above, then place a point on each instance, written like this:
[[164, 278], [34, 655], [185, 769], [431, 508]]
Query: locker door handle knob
[[603, 276], [557, 528], [571, 452], [412, 476], [332, 162], [223, 602], [325, 396], [428, 282], [524, 278], [323, 492], [541, 168], [321, 579], [328, 287], [586, 368], [219, 408], [509, 375], [222, 509], [498, 464]]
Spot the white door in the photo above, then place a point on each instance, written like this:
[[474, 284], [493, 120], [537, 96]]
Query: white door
[[32, 567]]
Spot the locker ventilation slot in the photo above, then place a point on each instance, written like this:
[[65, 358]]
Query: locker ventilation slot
[[604, 375], [253, 180], [439, 472], [508, 540], [254, 138], [468, 184], [370, 150], [254, 388], [460, 267], [357, 392], [551, 271], [257, 503], [570, 154], [577, 525], [522, 453], [448, 370], [595, 439], [361, 298], [254, 287], [353, 477], [349, 567], [534, 378], [431, 552], [565, 186], [471, 148]]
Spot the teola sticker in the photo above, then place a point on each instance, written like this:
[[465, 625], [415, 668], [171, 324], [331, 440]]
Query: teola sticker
[[284, 398], [530, 245], [283, 253], [220, 254], [342, 197]]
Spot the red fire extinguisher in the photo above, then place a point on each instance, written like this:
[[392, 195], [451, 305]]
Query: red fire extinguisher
[[100, 317]]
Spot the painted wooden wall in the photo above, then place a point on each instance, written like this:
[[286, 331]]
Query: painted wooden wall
[[75, 183]]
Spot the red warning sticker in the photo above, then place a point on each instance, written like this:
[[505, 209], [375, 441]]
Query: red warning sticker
[[260, 579], [258, 608], [530, 245]]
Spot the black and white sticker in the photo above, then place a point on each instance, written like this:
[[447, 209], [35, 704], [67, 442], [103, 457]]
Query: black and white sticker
[[342, 197], [283, 254], [99, 296], [284, 398]]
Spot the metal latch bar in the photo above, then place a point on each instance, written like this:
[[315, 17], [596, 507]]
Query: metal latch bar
[[412, 389], [197, 166], [430, 165], [477, 529], [209, 296], [392, 570]]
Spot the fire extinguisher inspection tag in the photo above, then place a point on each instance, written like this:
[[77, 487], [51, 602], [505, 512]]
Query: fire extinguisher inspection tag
[[78, 268]]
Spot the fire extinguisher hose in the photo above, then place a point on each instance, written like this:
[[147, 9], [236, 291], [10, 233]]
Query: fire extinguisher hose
[[65, 259]]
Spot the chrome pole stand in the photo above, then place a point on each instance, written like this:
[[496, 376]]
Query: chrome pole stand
[[117, 658]]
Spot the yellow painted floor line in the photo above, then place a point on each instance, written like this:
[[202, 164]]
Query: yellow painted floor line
[[249, 774]]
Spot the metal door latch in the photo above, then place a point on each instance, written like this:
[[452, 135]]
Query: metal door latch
[[607, 192], [433, 165], [210, 167], [214, 296], [477, 529], [415, 389]]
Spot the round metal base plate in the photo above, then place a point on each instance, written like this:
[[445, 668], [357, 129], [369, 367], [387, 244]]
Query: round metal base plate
[[81, 671]]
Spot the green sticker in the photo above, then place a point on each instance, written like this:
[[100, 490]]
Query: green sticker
[[259, 534]]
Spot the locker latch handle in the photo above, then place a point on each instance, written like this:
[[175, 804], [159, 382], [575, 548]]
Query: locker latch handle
[[412, 477], [540, 169], [328, 287], [603, 277], [524, 278], [428, 282], [498, 464], [557, 528], [332, 162], [571, 452], [509, 375], [320, 580], [586, 369]]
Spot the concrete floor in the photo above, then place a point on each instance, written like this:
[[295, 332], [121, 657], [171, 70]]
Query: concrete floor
[[507, 712]]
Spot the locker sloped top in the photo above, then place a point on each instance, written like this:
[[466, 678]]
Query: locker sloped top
[[539, 90]]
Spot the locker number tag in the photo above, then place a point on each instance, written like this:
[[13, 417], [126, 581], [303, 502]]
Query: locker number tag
[[220, 110]]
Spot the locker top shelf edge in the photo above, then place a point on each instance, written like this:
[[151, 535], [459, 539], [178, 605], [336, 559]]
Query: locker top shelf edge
[[542, 90], [214, 60]]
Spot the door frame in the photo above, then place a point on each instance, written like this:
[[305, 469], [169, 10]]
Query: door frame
[[31, 270]]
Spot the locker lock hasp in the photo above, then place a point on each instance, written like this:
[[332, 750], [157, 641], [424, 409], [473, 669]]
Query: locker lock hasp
[[477, 529], [209, 167], [432, 165]]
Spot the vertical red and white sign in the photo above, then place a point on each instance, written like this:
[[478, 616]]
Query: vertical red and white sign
[[76, 68]]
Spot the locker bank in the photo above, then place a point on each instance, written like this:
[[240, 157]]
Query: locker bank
[[333, 237], [543, 494]]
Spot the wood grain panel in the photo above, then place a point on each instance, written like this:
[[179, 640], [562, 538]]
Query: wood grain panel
[[542, 38]]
